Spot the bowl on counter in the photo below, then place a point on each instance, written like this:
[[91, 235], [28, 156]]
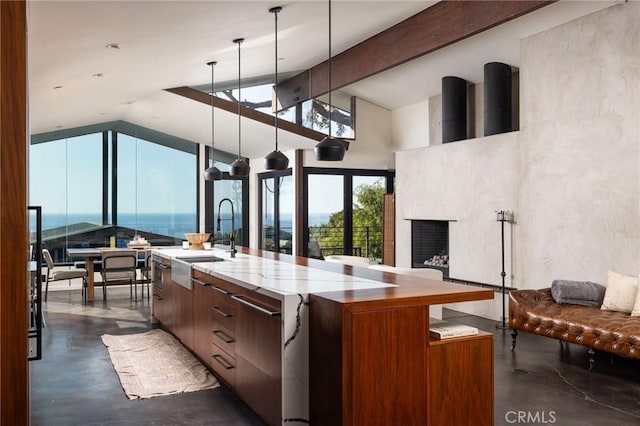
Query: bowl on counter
[[197, 239]]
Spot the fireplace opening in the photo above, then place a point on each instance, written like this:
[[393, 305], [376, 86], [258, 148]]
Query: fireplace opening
[[430, 245]]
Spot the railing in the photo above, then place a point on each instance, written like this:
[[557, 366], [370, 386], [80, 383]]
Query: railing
[[367, 240]]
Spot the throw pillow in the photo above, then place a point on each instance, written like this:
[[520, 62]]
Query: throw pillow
[[583, 293], [636, 307], [621, 292]]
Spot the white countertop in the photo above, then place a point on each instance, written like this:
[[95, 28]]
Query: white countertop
[[279, 278]]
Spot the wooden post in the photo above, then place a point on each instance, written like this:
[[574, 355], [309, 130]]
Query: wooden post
[[14, 369]]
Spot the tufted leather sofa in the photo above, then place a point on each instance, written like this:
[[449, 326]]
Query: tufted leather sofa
[[535, 311]]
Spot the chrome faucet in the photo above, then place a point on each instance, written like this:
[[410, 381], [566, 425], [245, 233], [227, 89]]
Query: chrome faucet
[[232, 237]]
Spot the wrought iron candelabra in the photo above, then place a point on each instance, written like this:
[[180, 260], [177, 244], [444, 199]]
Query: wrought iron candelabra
[[503, 216]]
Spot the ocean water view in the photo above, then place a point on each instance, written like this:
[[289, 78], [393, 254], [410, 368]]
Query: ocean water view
[[175, 225]]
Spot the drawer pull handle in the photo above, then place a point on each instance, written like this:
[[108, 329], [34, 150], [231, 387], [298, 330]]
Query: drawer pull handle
[[202, 283], [221, 312], [223, 362], [256, 307], [223, 336], [221, 290]]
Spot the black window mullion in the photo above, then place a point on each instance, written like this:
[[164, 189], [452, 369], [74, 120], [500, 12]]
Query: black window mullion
[[114, 177], [105, 177]]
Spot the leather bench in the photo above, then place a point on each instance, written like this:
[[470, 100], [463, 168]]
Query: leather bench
[[535, 311]]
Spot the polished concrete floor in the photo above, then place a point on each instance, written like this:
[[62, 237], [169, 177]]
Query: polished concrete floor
[[542, 382]]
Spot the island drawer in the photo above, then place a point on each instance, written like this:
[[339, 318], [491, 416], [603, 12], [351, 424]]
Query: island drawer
[[223, 365], [225, 288], [223, 338], [224, 311]]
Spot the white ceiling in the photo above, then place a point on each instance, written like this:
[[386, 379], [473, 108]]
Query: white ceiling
[[167, 44]]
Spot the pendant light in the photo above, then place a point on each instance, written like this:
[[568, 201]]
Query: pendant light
[[212, 173], [329, 148], [240, 167], [276, 160]]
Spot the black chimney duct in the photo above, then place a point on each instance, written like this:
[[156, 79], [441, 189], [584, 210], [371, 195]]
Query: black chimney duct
[[497, 98], [454, 109]]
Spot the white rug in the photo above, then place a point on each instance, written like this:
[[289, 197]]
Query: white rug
[[155, 364]]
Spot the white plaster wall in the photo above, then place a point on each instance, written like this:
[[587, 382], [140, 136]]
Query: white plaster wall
[[571, 174], [410, 126], [465, 182], [579, 204]]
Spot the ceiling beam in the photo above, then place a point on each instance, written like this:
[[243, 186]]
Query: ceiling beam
[[253, 114], [440, 25]]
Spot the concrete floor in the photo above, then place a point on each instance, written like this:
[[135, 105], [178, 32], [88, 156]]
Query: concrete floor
[[542, 382]]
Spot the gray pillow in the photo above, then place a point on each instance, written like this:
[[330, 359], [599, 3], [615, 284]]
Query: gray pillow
[[583, 293]]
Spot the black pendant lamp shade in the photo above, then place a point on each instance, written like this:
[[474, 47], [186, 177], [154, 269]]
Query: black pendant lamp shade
[[276, 160], [212, 173], [240, 166], [330, 148]]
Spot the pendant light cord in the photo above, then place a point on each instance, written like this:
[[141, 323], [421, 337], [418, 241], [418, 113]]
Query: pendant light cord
[[239, 41], [329, 66], [213, 162], [275, 109]]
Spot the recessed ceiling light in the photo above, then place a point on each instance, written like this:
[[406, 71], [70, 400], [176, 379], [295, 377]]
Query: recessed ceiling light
[[57, 87], [98, 74], [129, 102], [113, 46]]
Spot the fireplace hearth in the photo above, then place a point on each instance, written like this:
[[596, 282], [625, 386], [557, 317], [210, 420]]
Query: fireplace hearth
[[430, 245]]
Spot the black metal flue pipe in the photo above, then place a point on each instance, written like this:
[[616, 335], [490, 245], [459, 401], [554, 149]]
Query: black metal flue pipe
[[497, 98], [454, 109]]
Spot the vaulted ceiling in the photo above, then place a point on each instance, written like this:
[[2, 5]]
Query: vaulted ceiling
[[76, 80]]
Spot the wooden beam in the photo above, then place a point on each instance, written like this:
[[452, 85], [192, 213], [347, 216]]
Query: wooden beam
[[252, 114], [14, 315], [438, 26]]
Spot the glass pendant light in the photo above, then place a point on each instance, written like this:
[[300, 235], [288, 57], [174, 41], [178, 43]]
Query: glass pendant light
[[240, 167], [276, 160], [212, 173], [330, 148]]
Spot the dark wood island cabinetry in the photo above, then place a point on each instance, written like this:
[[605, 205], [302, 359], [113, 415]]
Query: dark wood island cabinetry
[[382, 368], [301, 340]]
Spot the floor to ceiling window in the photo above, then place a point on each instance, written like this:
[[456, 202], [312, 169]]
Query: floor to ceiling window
[[65, 178], [156, 189], [343, 211], [102, 188], [276, 211]]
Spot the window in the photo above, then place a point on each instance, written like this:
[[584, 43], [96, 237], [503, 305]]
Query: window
[[156, 188], [237, 191], [348, 218], [276, 211], [65, 179], [100, 188]]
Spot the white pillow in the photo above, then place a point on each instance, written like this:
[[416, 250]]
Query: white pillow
[[636, 307], [621, 293]]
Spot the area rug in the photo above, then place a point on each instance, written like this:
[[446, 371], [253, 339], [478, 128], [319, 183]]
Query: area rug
[[155, 364]]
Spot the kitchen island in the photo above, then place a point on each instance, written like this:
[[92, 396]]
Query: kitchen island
[[263, 321]]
